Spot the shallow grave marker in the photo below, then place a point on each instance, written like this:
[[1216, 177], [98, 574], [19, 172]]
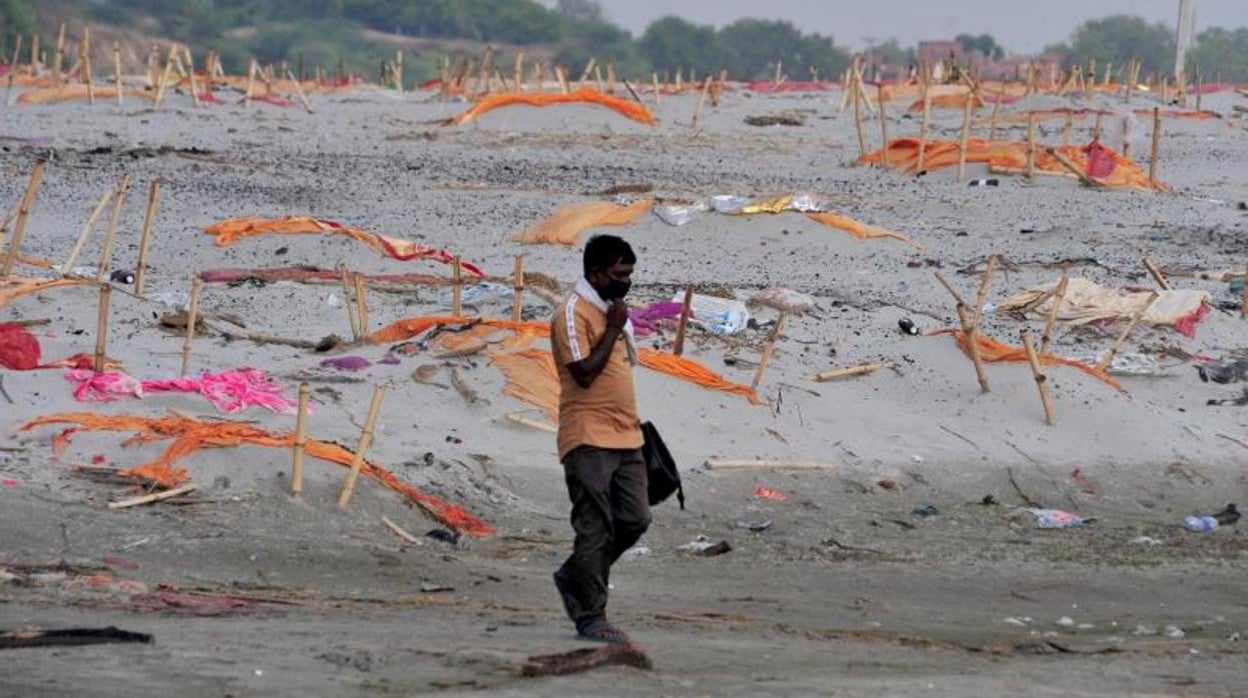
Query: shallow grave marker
[[366, 440], [23, 214]]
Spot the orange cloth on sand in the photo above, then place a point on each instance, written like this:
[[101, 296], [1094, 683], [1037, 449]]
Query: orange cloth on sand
[[228, 232], [77, 92], [693, 372], [564, 226], [992, 351], [531, 377], [862, 231], [903, 153], [16, 287], [628, 108], [190, 435], [414, 326]]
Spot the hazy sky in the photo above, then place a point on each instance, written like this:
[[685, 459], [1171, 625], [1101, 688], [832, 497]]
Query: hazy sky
[[1022, 26]]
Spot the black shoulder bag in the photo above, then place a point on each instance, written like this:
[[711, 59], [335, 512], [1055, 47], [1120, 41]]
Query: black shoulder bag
[[664, 478]]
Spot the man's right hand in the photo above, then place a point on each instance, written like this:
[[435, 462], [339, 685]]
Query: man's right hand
[[617, 314]]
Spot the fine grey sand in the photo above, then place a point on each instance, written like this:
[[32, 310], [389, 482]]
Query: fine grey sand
[[847, 592]]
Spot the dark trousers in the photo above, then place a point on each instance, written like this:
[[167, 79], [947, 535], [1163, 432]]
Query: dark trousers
[[610, 511]]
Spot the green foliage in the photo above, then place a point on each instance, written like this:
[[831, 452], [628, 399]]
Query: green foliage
[[891, 53], [984, 44], [16, 17], [671, 43], [1120, 38], [1221, 51], [751, 48]]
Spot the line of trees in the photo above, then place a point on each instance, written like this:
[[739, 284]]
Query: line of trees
[[321, 30]]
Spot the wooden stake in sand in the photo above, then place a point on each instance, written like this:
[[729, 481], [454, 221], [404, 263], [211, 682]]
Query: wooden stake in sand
[[856, 79], [58, 58], [23, 214], [973, 340], [68, 269], [697, 109], [164, 75], [190, 70], [1243, 308], [154, 497], [1156, 274], [303, 98], [106, 251], [966, 135], [346, 301], [518, 73], [366, 440], [927, 109], [251, 82], [1059, 293], [197, 285], [1152, 158], [301, 440], [686, 309], [86, 64], [517, 290], [992, 120], [117, 70], [457, 287], [654, 80], [101, 327], [1108, 359], [879, 96], [1041, 380], [768, 350], [361, 302], [850, 372], [153, 200], [1067, 125], [1073, 168]]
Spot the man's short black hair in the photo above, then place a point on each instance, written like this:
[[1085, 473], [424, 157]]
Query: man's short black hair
[[604, 250]]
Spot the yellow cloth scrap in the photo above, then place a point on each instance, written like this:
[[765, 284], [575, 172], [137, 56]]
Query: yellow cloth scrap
[[564, 226]]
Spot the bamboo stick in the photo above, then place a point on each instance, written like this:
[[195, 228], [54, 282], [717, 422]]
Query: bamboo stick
[[686, 309], [1126, 142], [981, 296], [101, 327], [522, 420], [117, 70], [251, 82], [972, 340], [1108, 359], [1096, 130], [850, 372], [1243, 308], [1067, 124], [361, 303], [519, 72], [398, 70], [301, 440], [23, 214], [952, 291], [697, 109], [86, 64], [1059, 294], [654, 80], [366, 440], [17, 51], [197, 286], [610, 77], [768, 350], [879, 95], [1152, 158], [58, 58], [153, 200], [457, 287], [346, 301], [1042, 384], [966, 135], [598, 78], [562, 77], [992, 119], [1073, 168], [190, 69], [1156, 274], [303, 98], [927, 108], [401, 532], [68, 269], [164, 76], [517, 290], [857, 87], [154, 497], [106, 251]]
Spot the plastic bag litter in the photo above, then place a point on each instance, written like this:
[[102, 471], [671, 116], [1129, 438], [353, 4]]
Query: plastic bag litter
[[717, 315], [678, 215], [785, 299], [727, 203], [1126, 364], [178, 300], [1056, 518], [477, 293]]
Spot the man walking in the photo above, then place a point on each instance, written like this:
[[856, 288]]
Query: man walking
[[599, 433]]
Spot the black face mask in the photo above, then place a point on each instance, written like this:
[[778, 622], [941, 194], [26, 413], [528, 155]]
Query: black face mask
[[615, 290]]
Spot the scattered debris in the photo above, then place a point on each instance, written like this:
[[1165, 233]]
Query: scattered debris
[[577, 661], [704, 547], [23, 638]]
